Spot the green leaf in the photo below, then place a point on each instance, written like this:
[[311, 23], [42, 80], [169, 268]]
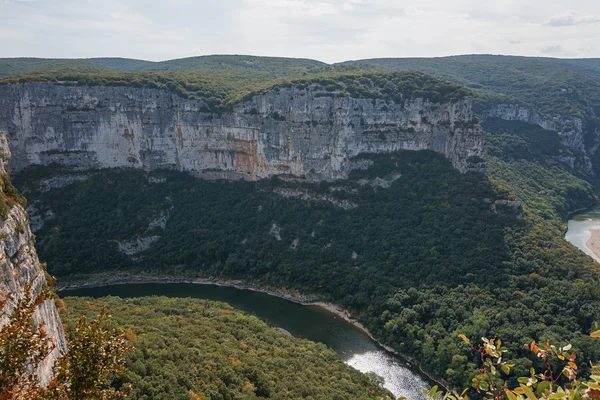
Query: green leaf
[[528, 392], [510, 395], [483, 385], [543, 387]]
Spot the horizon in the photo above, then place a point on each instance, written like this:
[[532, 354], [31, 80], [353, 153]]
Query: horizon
[[328, 30], [297, 58]]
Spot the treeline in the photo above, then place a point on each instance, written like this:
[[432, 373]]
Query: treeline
[[566, 88], [223, 89], [553, 87]]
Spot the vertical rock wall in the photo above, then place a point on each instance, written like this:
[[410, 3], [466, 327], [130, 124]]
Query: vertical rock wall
[[19, 268], [304, 132]]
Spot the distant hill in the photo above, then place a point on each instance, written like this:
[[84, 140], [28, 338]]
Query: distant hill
[[552, 86], [569, 88], [20, 66], [273, 66]]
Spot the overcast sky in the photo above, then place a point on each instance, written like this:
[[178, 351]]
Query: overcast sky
[[327, 30]]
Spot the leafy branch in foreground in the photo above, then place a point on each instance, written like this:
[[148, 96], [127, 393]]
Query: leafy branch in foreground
[[96, 351], [22, 348], [557, 381]]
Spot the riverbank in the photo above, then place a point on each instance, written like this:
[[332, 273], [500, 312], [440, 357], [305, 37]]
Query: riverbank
[[103, 280], [593, 242]]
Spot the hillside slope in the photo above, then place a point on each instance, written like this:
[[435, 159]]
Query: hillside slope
[[199, 349], [394, 242]]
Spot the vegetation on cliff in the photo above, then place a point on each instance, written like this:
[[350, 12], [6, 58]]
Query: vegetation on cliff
[[223, 89], [418, 250], [199, 349], [553, 87]]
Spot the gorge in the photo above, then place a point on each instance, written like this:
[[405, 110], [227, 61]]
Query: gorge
[[365, 188]]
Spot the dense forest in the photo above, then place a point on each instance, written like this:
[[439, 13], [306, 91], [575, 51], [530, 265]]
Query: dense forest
[[199, 349], [221, 91], [419, 251]]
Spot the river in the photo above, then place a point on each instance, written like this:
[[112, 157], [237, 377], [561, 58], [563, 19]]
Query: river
[[578, 229], [310, 322]]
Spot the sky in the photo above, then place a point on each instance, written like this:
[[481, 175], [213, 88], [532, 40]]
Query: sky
[[326, 30]]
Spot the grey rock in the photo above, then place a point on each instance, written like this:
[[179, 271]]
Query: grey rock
[[570, 130], [137, 245], [288, 132], [20, 268]]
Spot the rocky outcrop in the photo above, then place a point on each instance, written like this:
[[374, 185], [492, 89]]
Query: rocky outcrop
[[20, 268], [571, 131], [137, 245], [309, 195], [301, 132]]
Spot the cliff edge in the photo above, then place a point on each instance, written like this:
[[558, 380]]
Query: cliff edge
[[21, 268], [304, 131]]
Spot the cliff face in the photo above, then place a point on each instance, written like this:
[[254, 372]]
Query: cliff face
[[570, 131], [20, 267], [305, 133]]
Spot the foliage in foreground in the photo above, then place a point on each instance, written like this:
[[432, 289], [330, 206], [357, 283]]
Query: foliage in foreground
[[557, 380], [96, 351], [208, 350]]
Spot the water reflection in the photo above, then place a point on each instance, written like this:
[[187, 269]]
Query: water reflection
[[397, 379]]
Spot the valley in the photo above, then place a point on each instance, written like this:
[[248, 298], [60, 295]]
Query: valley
[[426, 209]]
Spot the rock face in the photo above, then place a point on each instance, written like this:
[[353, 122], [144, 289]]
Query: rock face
[[571, 131], [305, 133], [19, 268]]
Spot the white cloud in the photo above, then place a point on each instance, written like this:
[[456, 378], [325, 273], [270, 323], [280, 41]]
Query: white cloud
[[329, 30], [571, 19]]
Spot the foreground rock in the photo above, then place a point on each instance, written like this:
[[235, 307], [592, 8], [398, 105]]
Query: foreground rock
[[20, 268]]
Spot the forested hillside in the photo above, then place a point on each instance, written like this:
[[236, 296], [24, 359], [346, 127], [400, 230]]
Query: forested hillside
[[554, 87], [418, 250], [198, 349]]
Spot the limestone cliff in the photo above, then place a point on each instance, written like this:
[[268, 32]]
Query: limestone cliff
[[570, 130], [19, 268], [301, 132]]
